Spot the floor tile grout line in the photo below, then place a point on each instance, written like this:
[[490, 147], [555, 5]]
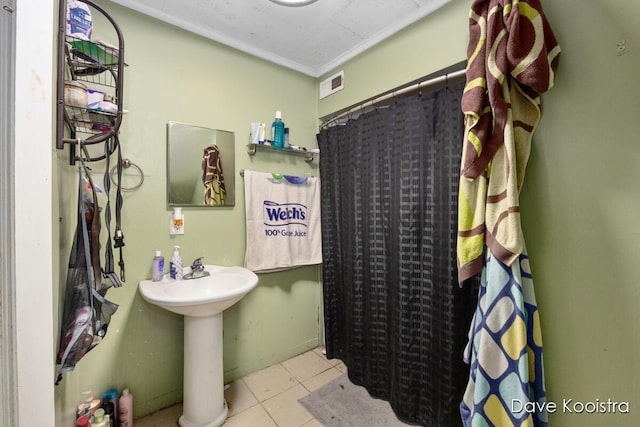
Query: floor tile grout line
[[265, 409], [261, 403], [269, 414], [298, 382], [250, 391], [313, 376]]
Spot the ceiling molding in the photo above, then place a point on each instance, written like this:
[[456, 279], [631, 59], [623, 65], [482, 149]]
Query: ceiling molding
[[339, 55], [379, 37], [215, 36]]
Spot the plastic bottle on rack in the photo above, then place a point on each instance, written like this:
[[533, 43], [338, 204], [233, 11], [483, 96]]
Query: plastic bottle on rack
[[286, 138], [277, 131]]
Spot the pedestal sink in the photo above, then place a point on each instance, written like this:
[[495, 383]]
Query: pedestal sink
[[202, 301]]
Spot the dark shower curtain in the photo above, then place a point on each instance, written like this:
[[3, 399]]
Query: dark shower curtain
[[394, 312]]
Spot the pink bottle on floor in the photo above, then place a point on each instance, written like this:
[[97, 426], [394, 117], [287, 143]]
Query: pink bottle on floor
[[125, 409]]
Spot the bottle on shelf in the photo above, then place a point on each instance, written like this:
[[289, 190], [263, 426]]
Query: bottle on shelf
[[277, 131], [286, 138]]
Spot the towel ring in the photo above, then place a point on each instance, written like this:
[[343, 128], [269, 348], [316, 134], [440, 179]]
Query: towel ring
[[126, 163]]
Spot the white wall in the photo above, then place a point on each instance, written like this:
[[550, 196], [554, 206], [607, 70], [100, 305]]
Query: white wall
[[33, 215]]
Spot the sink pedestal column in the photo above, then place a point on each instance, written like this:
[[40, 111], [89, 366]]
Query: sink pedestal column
[[203, 402]]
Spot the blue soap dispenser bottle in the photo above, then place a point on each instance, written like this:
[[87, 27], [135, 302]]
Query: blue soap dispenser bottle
[[277, 131]]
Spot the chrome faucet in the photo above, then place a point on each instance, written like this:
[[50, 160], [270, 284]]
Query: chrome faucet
[[197, 270]]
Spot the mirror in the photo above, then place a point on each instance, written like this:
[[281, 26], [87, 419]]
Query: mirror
[[200, 166]]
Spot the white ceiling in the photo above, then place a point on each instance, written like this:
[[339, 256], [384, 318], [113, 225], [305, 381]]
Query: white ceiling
[[312, 39]]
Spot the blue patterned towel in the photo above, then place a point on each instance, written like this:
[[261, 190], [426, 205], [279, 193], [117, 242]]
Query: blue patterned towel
[[506, 384]]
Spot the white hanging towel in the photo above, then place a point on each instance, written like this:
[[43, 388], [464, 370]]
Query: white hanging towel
[[283, 221]]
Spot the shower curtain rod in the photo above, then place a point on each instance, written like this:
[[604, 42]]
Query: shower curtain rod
[[394, 93], [306, 174]]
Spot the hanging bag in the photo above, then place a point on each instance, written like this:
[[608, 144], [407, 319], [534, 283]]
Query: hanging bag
[[86, 313]]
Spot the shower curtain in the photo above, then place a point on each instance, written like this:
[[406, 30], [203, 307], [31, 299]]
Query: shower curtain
[[394, 312]]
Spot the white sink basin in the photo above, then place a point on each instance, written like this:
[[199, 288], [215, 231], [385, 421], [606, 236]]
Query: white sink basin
[[202, 301], [204, 296]]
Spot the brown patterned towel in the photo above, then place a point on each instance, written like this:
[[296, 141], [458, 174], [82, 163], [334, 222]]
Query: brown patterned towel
[[512, 56], [212, 177]]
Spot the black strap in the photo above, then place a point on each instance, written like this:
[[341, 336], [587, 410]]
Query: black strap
[[108, 269], [94, 236], [118, 235]]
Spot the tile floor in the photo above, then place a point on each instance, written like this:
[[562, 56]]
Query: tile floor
[[268, 398]]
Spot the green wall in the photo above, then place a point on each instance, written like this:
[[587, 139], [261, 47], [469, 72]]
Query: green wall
[[580, 204], [175, 75], [579, 201]]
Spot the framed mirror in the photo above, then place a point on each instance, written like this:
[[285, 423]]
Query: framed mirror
[[200, 166]]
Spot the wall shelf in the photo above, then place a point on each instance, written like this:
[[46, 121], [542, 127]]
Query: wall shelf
[[308, 154], [98, 67]]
